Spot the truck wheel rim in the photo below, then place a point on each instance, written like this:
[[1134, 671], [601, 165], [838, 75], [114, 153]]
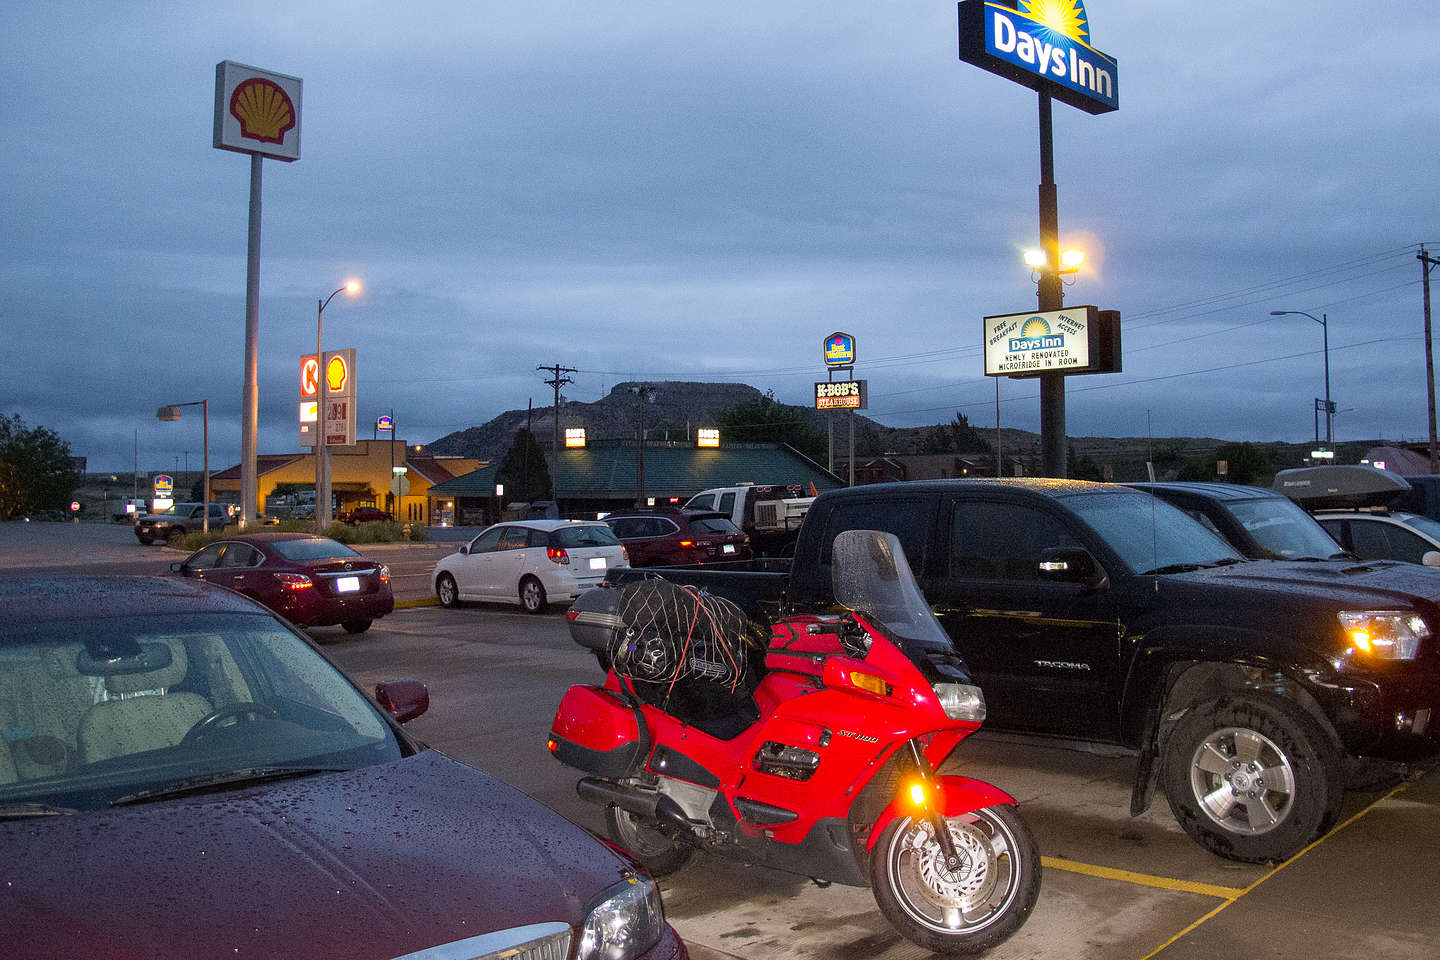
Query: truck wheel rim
[[1242, 781]]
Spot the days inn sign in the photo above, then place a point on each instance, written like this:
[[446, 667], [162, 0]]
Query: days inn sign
[[1042, 44]]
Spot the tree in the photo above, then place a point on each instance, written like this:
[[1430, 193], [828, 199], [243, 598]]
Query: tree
[[967, 439], [523, 472], [36, 472], [765, 421]]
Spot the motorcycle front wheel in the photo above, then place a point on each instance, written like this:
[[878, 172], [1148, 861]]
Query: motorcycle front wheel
[[969, 909], [647, 842]]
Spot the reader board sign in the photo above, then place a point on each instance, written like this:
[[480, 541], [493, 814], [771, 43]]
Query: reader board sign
[[840, 395], [1074, 340], [1043, 45]]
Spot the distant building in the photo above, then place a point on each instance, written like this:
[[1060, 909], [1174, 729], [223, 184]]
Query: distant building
[[602, 477], [360, 477]]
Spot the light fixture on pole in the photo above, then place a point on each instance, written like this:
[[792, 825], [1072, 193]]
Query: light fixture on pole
[[1325, 341], [172, 412], [322, 454]]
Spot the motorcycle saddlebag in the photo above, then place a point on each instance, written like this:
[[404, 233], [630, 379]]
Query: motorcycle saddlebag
[[595, 732]]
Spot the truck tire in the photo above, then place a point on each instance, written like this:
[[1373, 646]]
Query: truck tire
[[1252, 777]]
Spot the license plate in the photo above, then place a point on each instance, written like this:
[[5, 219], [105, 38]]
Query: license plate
[[728, 548], [347, 585], [597, 563]]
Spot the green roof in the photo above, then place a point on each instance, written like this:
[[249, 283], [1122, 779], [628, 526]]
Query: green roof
[[608, 470]]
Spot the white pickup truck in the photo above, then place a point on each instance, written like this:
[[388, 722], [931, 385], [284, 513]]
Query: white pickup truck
[[769, 513]]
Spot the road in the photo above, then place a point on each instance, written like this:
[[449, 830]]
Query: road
[[1115, 887]]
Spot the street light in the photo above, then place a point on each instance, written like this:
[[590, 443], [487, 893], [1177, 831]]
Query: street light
[[1325, 340], [172, 412], [322, 454]]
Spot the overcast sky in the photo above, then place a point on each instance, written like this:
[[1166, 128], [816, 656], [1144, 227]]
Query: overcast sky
[[665, 190]]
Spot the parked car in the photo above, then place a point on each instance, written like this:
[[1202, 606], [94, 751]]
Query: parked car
[[678, 537], [185, 775], [1260, 523], [1392, 535], [182, 518], [364, 515], [529, 562], [309, 580]]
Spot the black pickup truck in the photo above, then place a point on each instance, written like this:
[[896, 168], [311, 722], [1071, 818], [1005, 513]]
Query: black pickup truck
[[1099, 612]]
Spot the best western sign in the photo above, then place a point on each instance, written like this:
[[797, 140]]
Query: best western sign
[[1042, 44]]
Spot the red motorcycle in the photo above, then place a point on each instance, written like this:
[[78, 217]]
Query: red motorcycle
[[824, 767]]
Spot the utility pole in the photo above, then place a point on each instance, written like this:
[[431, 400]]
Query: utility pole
[[644, 392], [1426, 263], [557, 380]]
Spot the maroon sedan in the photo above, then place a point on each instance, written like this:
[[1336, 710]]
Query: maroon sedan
[[184, 775], [670, 537], [309, 580]]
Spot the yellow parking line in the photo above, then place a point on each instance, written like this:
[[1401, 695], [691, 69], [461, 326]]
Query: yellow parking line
[[1143, 879], [1280, 867]]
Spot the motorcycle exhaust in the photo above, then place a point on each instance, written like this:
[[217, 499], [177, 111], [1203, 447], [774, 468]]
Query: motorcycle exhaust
[[642, 803]]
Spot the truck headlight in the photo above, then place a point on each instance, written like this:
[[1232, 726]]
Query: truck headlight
[[1386, 634], [625, 921], [961, 701]]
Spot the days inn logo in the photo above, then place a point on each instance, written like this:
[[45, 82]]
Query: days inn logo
[[1043, 44], [1036, 335]]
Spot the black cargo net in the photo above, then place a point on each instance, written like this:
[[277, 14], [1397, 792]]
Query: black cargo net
[[673, 633]]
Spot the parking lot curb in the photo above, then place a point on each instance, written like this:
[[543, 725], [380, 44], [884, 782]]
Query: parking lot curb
[[417, 602]]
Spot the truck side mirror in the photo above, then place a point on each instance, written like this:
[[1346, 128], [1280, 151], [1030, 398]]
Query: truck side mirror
[[1070, 565]]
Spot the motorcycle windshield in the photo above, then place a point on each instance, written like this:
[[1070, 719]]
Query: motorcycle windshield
[[870, 574]]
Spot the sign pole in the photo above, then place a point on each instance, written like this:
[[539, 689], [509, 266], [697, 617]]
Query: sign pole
[[1051, 296], [250, 401]]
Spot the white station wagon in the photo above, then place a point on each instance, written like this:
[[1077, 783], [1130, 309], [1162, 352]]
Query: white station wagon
[[529, 562]]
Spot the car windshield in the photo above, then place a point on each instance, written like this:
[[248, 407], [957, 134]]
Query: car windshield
[[1150, 535], [177, 510], [584, 535], [1285, 530], [1425, 525], [102, 708], [311, 548]]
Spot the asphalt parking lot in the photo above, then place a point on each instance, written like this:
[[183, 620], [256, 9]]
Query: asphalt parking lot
[[1115, 888]]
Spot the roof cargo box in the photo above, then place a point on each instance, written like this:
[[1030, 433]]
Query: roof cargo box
[[1342, 487]]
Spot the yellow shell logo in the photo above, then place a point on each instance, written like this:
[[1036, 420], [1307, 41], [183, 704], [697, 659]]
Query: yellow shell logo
[[263, 109]]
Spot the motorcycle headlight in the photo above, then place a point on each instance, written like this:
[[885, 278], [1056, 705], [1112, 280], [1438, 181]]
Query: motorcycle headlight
[[1385, 634], [625, 921], [961, 701]]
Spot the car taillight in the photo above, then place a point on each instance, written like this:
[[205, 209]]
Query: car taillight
[[294, 581], [382, 573], [687, 543], [557, 555]]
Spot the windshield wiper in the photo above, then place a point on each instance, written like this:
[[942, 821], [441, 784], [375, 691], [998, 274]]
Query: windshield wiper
[[224, 780], [20, 811], [1175, 568]]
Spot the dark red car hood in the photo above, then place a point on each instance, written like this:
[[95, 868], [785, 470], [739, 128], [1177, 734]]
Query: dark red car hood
[[373, 863]]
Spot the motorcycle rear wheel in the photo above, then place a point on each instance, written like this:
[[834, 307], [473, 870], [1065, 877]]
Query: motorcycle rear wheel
[[661, 853], [968, 910]]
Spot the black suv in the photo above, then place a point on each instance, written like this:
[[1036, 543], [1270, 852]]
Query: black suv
[[1260, 523]]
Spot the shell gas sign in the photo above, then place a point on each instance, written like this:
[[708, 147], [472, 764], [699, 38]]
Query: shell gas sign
[[257, 111], [339, 398]]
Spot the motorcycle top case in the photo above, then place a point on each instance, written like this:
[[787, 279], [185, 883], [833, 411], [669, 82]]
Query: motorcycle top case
[[595, 732], [594, 618]]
